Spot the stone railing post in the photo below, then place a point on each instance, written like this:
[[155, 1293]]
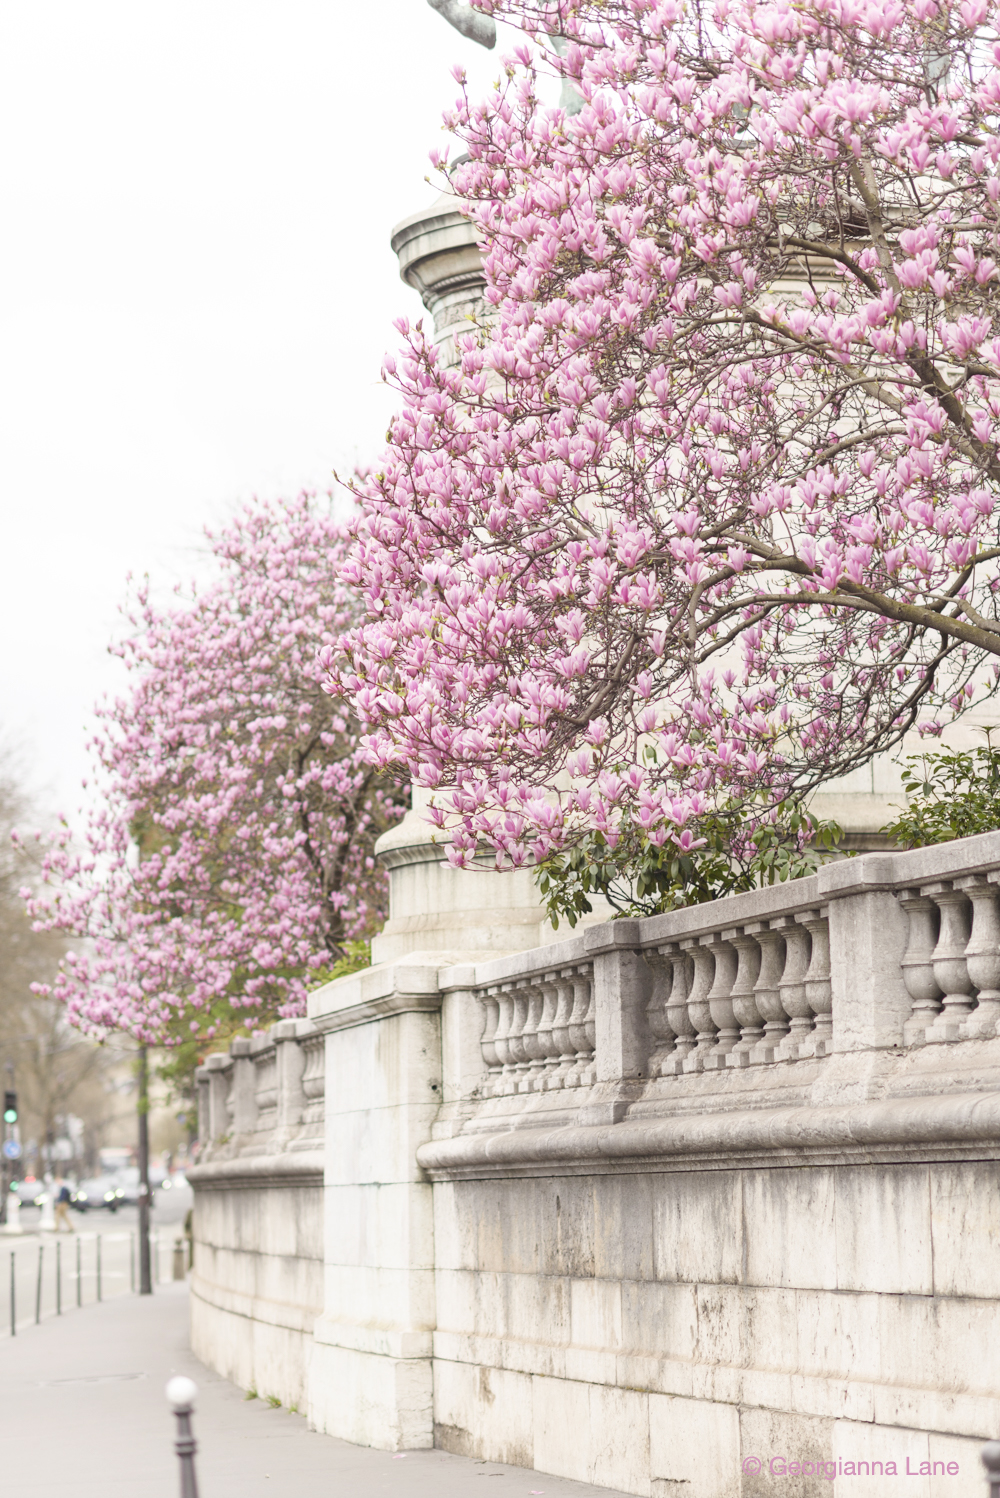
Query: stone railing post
[[290, 1063], [370, 1372], [244, 1087], [867, 942], [462, 1031], [202, 1093], [219, 1069], [623, 986]]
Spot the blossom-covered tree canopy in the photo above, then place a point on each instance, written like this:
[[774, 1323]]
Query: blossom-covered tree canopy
[[229, 857], [706, 511]]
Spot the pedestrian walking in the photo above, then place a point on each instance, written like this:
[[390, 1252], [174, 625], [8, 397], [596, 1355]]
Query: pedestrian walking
[[63, 1199]]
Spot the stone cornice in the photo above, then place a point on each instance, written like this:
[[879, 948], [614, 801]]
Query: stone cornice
[[915, 1129], [301, 1168]]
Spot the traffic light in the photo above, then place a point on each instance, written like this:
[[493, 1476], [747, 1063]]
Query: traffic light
[[10, 1107]]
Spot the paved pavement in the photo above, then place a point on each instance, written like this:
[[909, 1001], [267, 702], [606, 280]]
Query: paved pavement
[[82, 1411]]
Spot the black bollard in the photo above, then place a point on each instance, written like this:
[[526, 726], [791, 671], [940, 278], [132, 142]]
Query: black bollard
[[991, 1461], [181, 1395]]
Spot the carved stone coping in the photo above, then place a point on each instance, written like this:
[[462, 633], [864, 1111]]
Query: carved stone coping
[[558, 954], [833, 881], [438, 251], [375, 993], [304, 1168], [901, 1130]]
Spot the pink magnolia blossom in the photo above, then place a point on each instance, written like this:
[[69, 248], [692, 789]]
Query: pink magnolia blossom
[[705, 511], [231, 854]]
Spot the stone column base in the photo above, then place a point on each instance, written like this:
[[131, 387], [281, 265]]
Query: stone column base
[[371, 1399]]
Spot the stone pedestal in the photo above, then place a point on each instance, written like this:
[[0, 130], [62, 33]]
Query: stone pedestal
[[370, 1378], [439, 257]]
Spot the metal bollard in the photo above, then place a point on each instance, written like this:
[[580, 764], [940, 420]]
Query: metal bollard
[[180, 1268], [99, 1295], [58, 1278], [990, 1455], [79, 1281], [38, 1286], [13, 1298], [181, 1395]]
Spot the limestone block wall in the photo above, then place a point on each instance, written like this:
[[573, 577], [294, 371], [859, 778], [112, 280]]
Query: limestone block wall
[[370, 1376], [257, 1280], [655, 1331]]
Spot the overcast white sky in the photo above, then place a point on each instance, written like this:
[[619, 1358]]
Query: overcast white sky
[[196, 289]]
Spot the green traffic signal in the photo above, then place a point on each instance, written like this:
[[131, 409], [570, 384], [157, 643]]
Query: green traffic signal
[[10, 1107], [10, 1115]]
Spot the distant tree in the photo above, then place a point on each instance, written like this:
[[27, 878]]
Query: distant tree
[[228, 863], [55, 1071]]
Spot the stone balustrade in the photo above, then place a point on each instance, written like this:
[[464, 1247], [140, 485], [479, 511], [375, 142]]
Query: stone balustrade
[[740, 1002], [264, 1094], [539, 1032]]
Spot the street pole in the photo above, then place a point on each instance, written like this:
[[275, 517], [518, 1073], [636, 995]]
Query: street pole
[[145, 1276], [6, 1164]]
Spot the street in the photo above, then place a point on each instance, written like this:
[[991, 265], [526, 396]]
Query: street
[[52, 1274]]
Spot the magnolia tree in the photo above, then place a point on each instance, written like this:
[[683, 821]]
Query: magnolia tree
[[706, 511], [229, 861]]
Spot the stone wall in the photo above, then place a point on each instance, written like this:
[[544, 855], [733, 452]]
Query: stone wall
[[257, 1278], [652, 1331], [661, 1201]]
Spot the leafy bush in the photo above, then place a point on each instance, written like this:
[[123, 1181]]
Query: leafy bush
[[949, 794], [638, 879]]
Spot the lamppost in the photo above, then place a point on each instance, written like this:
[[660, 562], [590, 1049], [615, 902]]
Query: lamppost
[[145, 1268]]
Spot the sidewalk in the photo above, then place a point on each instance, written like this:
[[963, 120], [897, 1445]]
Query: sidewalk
[[83, 1412]]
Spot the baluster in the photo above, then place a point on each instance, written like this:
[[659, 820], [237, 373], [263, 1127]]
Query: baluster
[[677, 1010], [950, 968], [745, 1009], [487, 1043], [697, 1004], [546, 1040], [530, 1038], [505, 1000], [560, 1030], [982, 956], [819, 989], [578, 1026], [917, 965], [515, 1039], [792, 989], [720, 1002], [588, 1074], [767, 994], [656, 1011]]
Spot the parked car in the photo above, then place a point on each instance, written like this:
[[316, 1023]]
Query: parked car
[[30, 1192], [127, 1184], [100, 1191], [128, 1180]]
